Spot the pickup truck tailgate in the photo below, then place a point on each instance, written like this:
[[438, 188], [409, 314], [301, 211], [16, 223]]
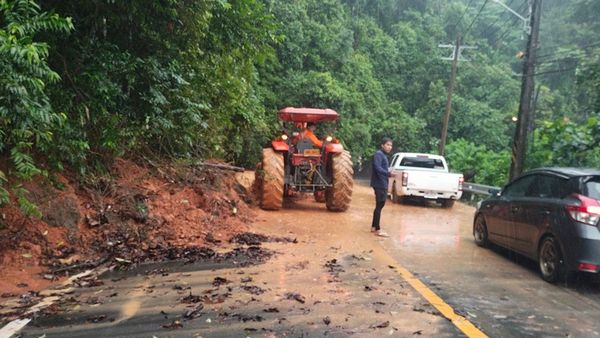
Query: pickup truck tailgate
[[432, 180]]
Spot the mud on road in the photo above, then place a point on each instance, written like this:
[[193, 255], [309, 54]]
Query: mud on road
[[329, 276]]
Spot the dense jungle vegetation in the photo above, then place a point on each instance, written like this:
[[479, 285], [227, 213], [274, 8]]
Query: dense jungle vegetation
[[82, 82]]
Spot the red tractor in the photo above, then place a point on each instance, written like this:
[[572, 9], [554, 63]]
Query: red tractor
[[293, 163]]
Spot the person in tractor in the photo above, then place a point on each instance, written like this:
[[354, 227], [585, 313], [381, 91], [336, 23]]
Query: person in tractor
[[309, 133]]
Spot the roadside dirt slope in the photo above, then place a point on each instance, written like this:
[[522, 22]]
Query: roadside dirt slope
[[118, 217]]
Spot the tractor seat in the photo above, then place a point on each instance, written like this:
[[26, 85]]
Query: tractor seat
[[304, 144]]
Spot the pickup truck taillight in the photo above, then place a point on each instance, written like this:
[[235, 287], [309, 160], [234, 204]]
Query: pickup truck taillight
[[461, 180], [587, 212], [404, 179]]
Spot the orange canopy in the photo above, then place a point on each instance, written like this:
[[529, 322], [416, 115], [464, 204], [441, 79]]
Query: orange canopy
[[307, 114]]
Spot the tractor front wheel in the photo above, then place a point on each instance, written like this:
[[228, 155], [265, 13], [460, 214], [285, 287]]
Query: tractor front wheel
[[271, 180], [339, 195]]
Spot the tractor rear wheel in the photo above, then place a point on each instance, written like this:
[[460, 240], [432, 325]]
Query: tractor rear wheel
[[338, 197], [271, 180]]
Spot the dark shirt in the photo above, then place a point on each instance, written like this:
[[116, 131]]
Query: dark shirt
[[379, 172]]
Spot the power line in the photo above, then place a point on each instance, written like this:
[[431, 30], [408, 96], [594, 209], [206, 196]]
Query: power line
[[555, 71], [507, 28], [511, 18], [501, 37], [504, 34], [495, 21], [463, 14], [500, 72], [493, 69], [475, 18], [565, 59], [584, 47]]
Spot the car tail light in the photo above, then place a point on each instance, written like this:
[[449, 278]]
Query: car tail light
[[589, 267], [461, 180], [587, 212], [404, 179]]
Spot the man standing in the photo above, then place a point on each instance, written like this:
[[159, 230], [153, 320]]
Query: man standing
[[379, 182]]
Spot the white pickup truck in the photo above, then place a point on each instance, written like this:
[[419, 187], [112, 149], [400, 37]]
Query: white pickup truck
[[423, 176]]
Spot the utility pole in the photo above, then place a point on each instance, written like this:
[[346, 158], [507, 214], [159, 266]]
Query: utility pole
[[527, 86], [456, 56]]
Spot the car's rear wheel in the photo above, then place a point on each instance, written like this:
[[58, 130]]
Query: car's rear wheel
[[480, 232], [551, 260]]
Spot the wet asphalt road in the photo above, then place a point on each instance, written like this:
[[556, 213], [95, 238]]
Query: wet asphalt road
[[497, 291]]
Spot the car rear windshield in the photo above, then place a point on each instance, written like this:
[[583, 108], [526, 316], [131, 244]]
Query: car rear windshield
[[592, 187], [422, 162]]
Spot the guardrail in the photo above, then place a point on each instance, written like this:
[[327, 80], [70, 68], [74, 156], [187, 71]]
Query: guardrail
[[479, 189]]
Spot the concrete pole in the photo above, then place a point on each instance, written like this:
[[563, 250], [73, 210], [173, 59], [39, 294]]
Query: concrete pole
[[527, 87], [446, 119]]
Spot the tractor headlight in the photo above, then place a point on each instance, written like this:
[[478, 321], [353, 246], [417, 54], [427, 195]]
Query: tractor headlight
[[328, 138], [284, 137]]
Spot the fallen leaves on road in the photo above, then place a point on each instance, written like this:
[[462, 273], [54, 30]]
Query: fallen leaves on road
[[245, 318], [218, 281], [295, 296], [253, 289], [215, 298], [173, 325], [96, 319], [248, 238], [191, 299], [381, 325], [194, 313]]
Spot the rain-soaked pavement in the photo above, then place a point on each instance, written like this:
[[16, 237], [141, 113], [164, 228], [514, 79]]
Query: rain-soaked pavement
[[499, 291], [333, 278]]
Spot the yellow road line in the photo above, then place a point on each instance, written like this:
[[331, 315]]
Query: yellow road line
[[460, 322]]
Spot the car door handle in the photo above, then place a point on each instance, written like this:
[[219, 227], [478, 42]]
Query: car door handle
[[515, 209], [544, 212]]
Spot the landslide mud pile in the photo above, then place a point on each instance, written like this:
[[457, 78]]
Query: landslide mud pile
[[133, 214]]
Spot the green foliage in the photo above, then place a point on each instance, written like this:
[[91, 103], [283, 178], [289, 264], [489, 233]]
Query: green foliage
[[490, 167], [27, 120], [169, 78], [563, 142], [194, 78], [588, 82], [26, 206], [4, 194]]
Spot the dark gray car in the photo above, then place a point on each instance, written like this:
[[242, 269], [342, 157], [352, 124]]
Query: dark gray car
[[550, 215]]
